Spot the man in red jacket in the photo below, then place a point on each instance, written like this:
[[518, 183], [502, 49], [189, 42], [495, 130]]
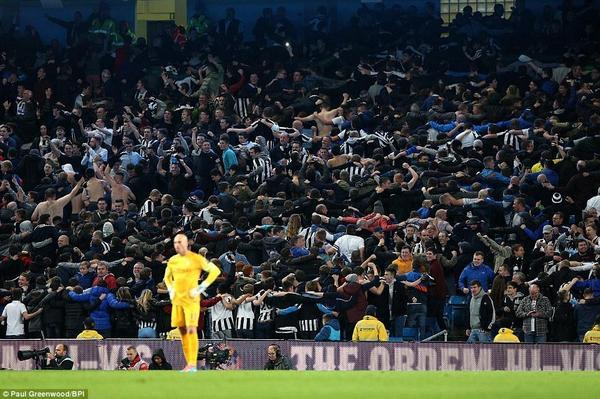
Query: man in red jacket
[[439, 289], [353, 289], [134, 361], [103, 274]]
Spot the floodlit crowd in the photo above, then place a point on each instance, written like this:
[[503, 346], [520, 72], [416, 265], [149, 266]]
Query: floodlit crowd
[[369, 179]]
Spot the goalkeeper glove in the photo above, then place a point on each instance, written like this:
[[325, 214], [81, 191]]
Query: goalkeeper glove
[[171, 293], [199, 290]]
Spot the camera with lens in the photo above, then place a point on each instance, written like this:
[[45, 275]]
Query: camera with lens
[[216, 356], [124, 364], [33, 354], [37, 355]]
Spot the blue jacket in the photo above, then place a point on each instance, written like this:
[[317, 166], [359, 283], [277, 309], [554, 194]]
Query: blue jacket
[[483, 273], [100, 314], [85, 281], [494, 177], [586, 314], [482, 129], [329, 332], [228, 266], [298, 252], [139, 286], [594, 284]]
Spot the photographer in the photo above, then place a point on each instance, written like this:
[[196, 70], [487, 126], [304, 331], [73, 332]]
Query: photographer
[[59, 360], [277, 361], [133, 361]]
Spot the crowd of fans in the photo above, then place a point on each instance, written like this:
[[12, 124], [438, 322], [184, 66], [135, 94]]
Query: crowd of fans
[[391, 162]]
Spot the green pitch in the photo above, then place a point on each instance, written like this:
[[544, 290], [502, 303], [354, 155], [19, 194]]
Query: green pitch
[[322, 384]]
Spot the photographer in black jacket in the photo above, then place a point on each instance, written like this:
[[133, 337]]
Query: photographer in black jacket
[[59, 360]]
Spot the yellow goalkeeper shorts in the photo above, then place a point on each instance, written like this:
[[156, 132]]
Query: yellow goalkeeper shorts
[[185, 316]]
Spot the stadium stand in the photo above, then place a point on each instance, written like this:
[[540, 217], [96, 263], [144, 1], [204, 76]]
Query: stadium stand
[[388, 160]]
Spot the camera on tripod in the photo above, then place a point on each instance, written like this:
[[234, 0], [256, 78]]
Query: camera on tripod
[[215, 355]]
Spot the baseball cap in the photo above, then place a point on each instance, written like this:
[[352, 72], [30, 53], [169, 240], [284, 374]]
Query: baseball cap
[[547, 229]]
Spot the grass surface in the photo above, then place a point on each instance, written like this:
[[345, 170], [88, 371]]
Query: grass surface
[[291, 385]]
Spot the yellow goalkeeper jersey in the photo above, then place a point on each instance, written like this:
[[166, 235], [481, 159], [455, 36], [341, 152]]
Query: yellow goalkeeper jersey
[[183, 273]]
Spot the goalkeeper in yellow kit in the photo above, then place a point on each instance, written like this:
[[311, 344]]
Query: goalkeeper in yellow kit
[[181, 278]]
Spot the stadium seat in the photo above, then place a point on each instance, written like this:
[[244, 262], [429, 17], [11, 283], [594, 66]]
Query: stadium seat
[[457, 312], [410, 334]]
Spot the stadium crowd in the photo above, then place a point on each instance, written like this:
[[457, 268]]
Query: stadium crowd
[[389, 164]]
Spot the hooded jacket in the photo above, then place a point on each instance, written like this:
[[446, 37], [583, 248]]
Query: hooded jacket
[[89, 334], [329, 332], [506, 335], [592, 336], [164, 365], [487, 313]]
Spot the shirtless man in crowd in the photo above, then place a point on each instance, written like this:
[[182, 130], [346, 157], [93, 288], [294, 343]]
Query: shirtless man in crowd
[[119, 191], [52, 206], [93, 190]]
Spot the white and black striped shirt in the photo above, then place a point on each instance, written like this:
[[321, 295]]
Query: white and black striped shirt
[[105, 247], [265, 313], [146, 324], [355, 170], [265, 173], [309, 325], [383, 139], [243, 107], [244, 319], [148, 143], [185, 220], [222, 318], [309, 236], [512, 139], [147, 208], [347, 147]]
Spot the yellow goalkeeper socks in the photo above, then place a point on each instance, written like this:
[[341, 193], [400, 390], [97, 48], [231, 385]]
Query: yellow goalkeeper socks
[[191, 354], [186, 347]]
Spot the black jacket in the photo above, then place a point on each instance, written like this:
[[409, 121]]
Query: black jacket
[[123, 323], [487, 314], [399, 299], [281, 363], [282, 302], [75, 312], [564, 323], [62, 363], [164, 365], [54, 309]]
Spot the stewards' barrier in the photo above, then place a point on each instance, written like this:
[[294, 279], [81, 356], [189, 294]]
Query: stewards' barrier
[[305, 355]]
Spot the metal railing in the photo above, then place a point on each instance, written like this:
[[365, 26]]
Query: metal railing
[[443, 332]]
